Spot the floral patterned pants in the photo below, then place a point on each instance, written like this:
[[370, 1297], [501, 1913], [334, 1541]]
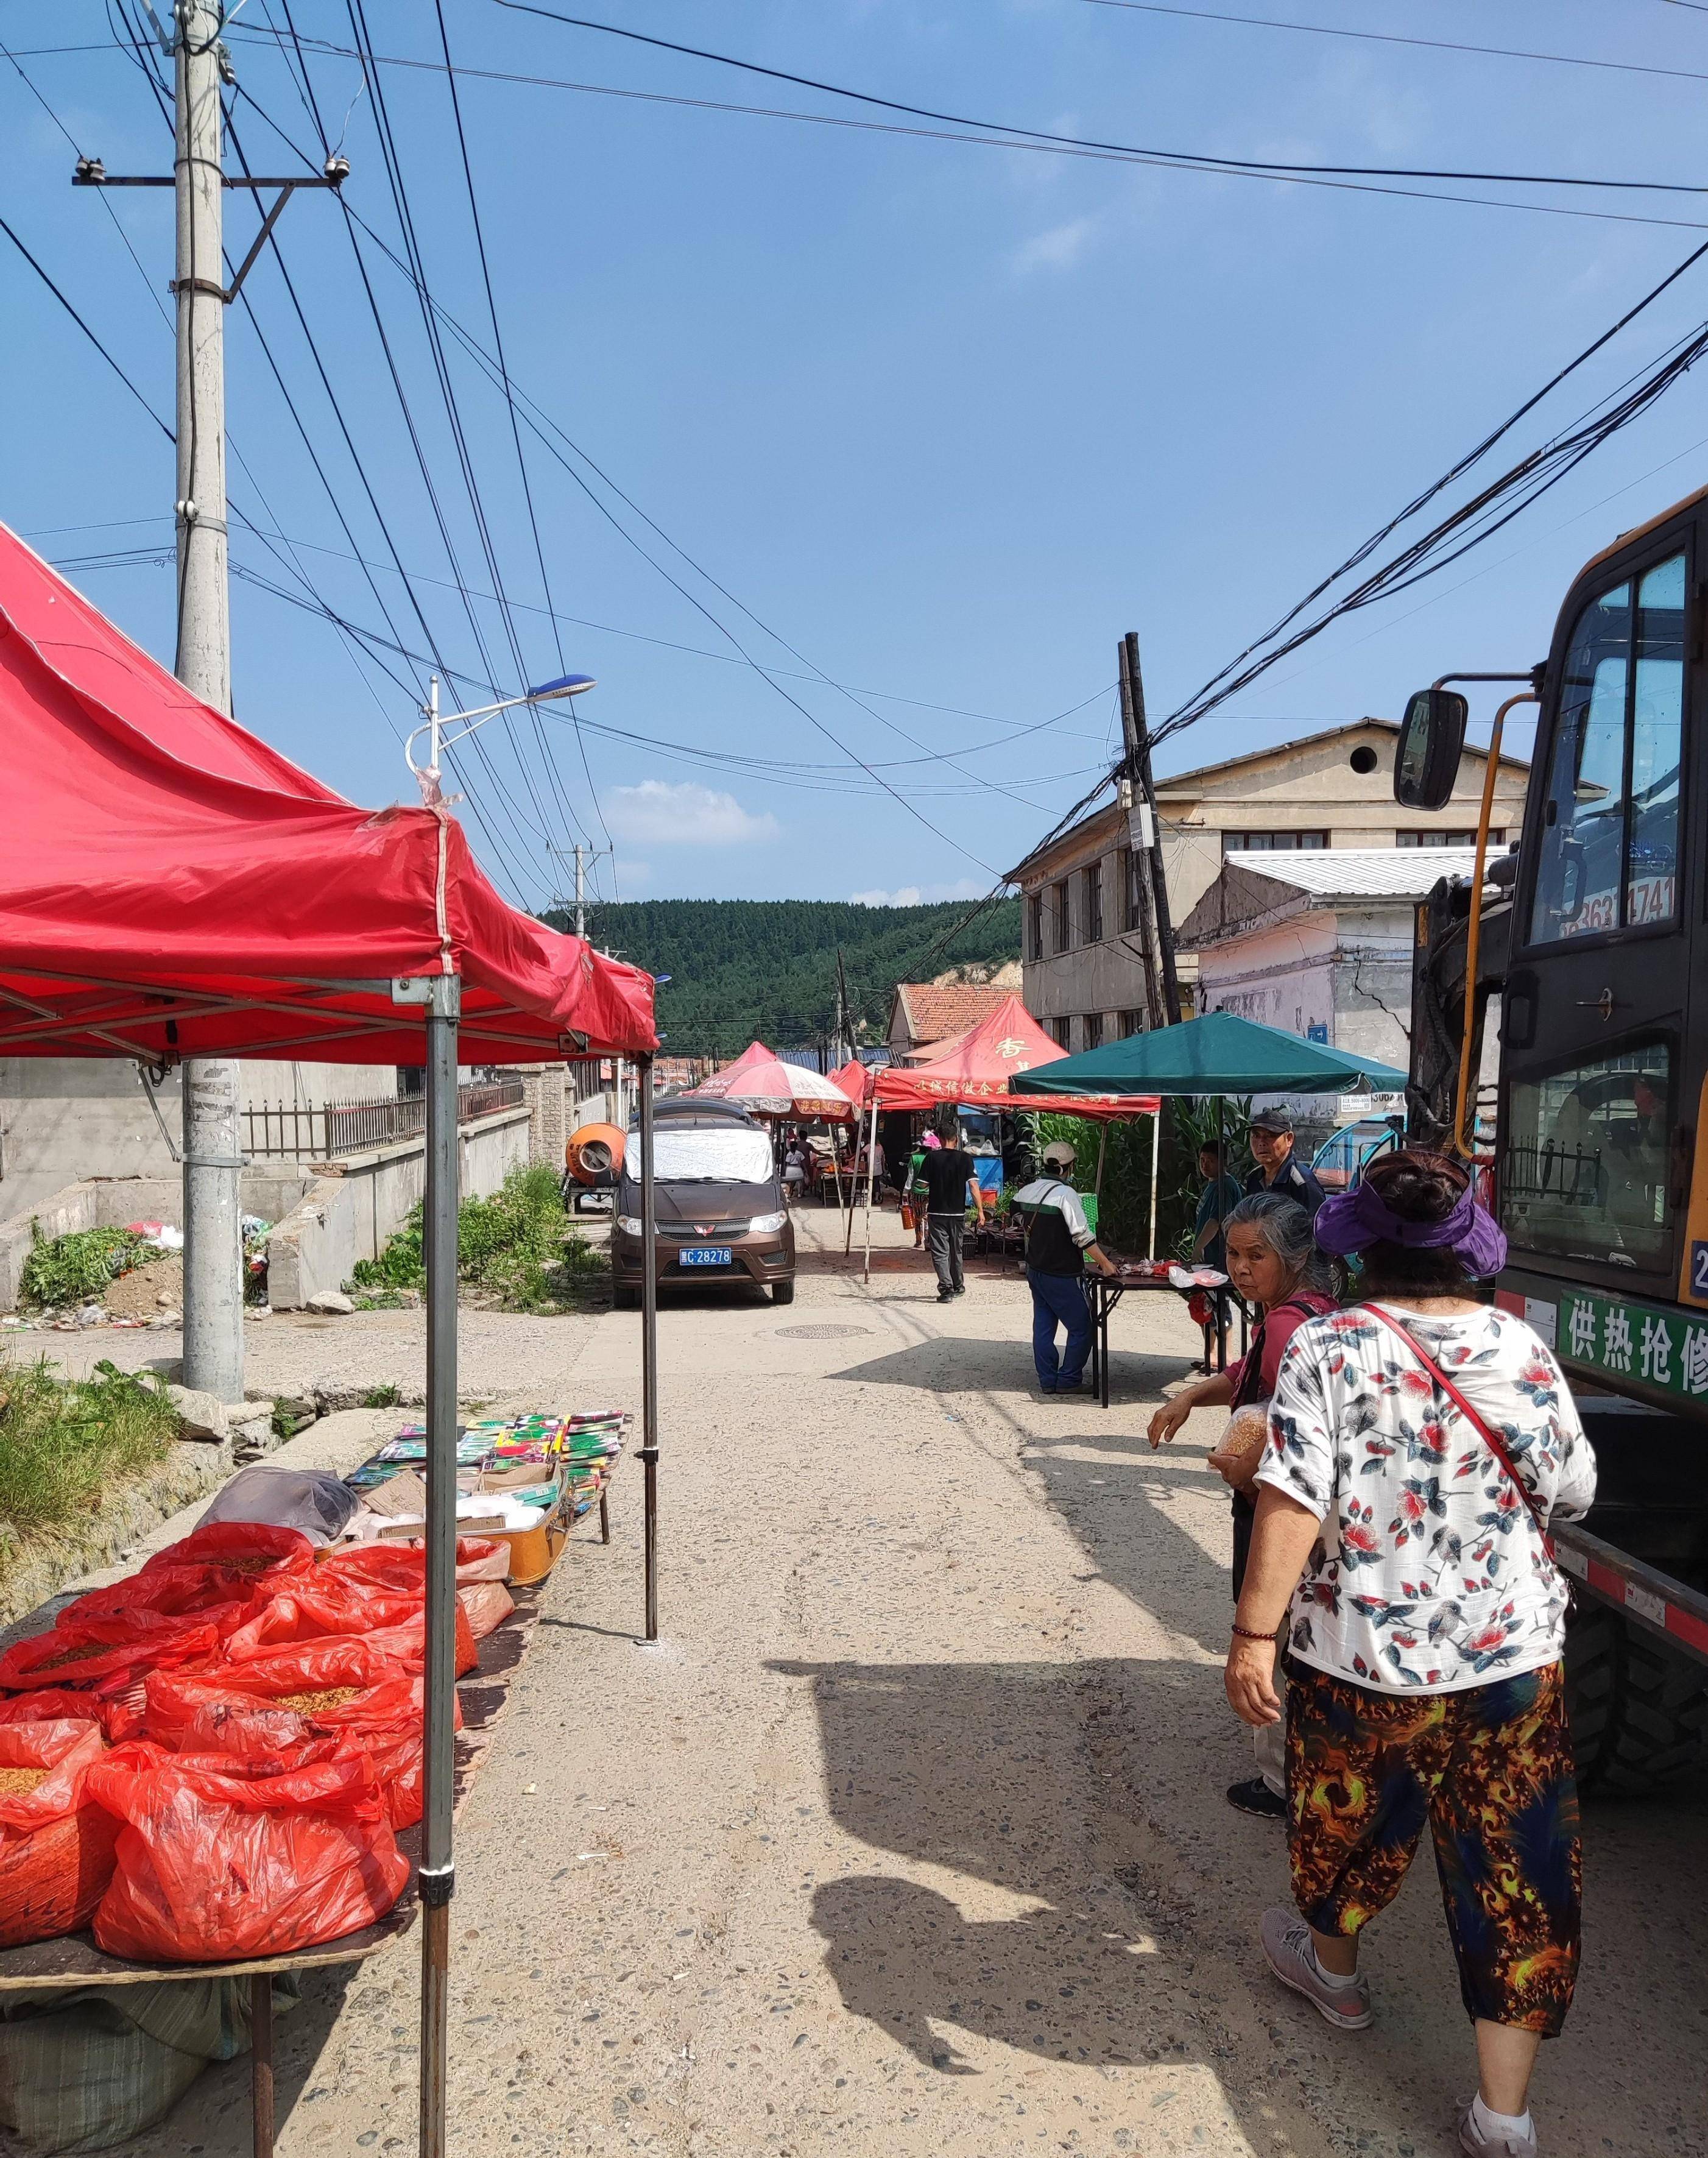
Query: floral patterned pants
[[1489, 1769]]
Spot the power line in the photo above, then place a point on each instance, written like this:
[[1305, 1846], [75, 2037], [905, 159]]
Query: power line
[[1392, 37], [1066, 148], [509, 399], [1200, 158]]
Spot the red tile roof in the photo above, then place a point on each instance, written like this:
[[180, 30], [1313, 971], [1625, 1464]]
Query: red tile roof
[[934, 1011]]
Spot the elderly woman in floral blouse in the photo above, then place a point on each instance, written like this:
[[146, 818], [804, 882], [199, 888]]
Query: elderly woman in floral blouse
[[1420, 1442]]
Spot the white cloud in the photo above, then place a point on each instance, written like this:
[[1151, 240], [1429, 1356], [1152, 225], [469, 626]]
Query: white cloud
[[1058, 248], [915, 894], [685, 814]]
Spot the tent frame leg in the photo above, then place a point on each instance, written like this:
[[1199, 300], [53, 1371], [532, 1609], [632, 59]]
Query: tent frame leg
[[649, 1345], [442, 993]]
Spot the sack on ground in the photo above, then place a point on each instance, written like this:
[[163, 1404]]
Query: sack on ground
[[218, 1859], [311, 1610], [312, 1501]]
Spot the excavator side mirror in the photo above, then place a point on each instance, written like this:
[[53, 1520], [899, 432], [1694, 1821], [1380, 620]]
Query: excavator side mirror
[[1431, 736]]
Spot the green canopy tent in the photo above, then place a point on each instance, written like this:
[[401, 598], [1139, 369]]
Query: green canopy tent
[[1220, 1054]]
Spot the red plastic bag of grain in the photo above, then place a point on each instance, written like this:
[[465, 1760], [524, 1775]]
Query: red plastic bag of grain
[[385, 1722], [54, 1705], [255, 1551], [404, 1565], [406, 1644], [308, 1611], [487, 1604], [225, 1600], [219, 1858], [56, 1844], [106, 1653]]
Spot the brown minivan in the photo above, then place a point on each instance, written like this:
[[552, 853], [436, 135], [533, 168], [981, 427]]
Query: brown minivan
[[718, 1206]]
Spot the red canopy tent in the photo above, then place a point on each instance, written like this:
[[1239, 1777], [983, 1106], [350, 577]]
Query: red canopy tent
[[978, 1066], [855, 1079], [171, 887]]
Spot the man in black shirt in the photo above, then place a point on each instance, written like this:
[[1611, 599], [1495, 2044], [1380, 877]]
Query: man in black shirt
[[950, 1179], [1276, 1171]]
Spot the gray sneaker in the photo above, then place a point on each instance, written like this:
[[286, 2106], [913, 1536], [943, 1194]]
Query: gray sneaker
[[1473, 2140], [1287, 1944]]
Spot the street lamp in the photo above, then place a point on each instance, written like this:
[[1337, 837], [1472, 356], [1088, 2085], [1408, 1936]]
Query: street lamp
[[433, 724]]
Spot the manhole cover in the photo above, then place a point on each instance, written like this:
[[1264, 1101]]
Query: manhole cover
[[818, 1332]]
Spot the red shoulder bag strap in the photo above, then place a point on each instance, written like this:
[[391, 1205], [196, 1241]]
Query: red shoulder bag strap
[[1490, 1437]]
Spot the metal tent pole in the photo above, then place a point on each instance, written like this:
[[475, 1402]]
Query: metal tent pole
[[437, 1874], [871, 1157], [1156, 1149], [649, 1344]]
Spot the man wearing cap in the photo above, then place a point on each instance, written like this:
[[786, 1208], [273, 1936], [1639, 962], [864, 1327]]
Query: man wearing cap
[[1276, 1171], [1059, 1240]]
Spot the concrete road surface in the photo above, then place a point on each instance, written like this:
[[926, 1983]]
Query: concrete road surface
[[910, 1837]]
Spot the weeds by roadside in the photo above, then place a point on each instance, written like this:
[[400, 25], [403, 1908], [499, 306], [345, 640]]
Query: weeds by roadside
[[516, 1249], [79, 1269], [64, 1442]]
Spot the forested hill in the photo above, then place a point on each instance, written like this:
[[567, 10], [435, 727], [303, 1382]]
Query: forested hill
[[742, 969]]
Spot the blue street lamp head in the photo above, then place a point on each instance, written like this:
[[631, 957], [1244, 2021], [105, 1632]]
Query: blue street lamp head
[[566, 685]]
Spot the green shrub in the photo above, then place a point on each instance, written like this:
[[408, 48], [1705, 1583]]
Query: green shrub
[[516, 1246], [63, 1443], [78, 1268]]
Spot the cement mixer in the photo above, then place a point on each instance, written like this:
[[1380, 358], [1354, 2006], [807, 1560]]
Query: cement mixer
[[592, 1163]]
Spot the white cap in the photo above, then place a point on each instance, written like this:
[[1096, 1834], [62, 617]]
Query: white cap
[[1059, 1155]]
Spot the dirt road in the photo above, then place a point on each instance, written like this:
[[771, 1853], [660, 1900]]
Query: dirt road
[[910, 1837]]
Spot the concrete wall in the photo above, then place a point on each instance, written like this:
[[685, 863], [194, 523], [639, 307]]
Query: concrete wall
[[63, 1120], [350, 1208], [108, 1203]]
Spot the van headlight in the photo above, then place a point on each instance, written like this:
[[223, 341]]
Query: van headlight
[[630, 1225], [763, 1225]]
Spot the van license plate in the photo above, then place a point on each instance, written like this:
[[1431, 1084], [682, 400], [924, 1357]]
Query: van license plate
[[706, 1255]]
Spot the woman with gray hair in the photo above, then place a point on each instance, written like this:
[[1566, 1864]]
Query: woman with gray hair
[[1273, 1262]]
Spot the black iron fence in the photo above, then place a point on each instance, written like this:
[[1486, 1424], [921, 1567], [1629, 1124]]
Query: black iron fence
[[341, 1127]]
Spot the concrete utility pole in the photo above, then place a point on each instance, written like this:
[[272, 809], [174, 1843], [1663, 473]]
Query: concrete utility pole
[[1139, 758], [213, 1257], [581, 856], [1139, 838]]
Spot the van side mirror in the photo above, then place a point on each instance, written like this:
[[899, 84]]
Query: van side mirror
[[1432, 737]]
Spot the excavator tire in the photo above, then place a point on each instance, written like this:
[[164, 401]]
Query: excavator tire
[[1638, 1711]]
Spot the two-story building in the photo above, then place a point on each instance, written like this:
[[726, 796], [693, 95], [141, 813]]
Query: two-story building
[[1082, 974]]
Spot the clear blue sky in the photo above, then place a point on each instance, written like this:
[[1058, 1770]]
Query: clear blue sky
[[946, 418]]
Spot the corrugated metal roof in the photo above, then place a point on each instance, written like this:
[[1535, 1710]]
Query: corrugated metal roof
[[1358, 872]]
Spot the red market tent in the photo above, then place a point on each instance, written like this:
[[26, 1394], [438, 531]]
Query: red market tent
[[978, 1068], [855, 1079], [172, 887], [763, 1082]]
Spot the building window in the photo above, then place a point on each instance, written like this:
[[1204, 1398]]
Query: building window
[[1035, 911], [1271, 842], [1093, 1030], [1497, 837], [1064, 916], [1061, 1032], [1129, 1022], [1094, 904], [1130, 866]]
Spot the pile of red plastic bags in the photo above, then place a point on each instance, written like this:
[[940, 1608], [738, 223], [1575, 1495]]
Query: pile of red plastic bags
[[210, 1760]]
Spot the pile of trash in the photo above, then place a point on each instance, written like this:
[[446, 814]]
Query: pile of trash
[[132, 1277]]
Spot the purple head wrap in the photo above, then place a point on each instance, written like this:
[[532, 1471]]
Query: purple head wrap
[[1363, 1217]]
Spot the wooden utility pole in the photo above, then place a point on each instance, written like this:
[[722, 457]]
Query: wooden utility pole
[[1138, 759], [1138, 841]]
